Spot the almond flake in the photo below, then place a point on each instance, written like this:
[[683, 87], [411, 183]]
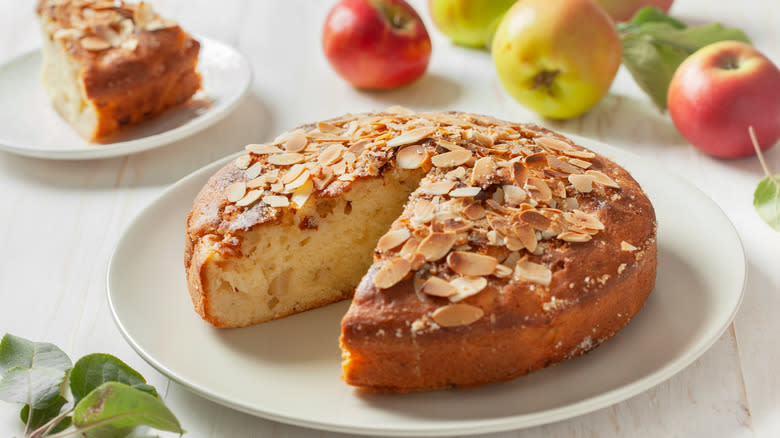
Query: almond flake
[[436, 245], [474, 211], [580, 153], [95, 44], [536, 160], [520, 173], [553, 143], [260, 181], [573, 236], [254, 170], [470, 263], [582, 164], [437, 287], [602, 179], [276, 200], [438, 188], [423, 211], [262, 149], [411, 157], [533, 272], [328, 127], [235, 191], [514, 195], [453, 315], [451, 159], [449, 145], [286, 159], [358, 147], [410, 137], [625, 246], [502, 271], [392, 239], [484, 169], [302, 179], [302, 194], [250, 198], [391, 272], [466, 287], [583, 220], [539, 189], [243, 161], [512, 243], [582, 183], [563, 166], [416, 261], [409, 248], [535, 219], [293, 173], [349, 157], [66, 34], [526, 234], [465, 192]]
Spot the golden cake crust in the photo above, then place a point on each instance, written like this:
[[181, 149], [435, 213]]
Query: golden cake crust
[[134, 63]]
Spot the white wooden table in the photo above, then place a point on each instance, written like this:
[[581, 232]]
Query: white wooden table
[[59, 221]]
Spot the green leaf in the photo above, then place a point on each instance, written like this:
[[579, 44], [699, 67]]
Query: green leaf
[[115, 407], [96, 369], [766, 199], [655, 44], [37, 387], [19, 352], [44, 415]]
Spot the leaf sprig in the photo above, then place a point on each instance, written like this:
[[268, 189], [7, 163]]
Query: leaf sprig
[[109, 398], [766, 198]]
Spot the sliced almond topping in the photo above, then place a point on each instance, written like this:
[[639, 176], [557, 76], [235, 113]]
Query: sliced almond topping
[[514, 195], [293, 173], [465, 192], [625, 246], [482, 139], [411, 157], [526, 234], [235, 191], [474, 211], [437, 287], [520, 173], [423, 211], [502, 271], [484, 169], [438, 188], [262, 149], [573, 236], [539, 189], [553, 143], [451, 159], [470, 263], [563, 166], [328, 127], [277, 187], [410, 137], [537, 160], [533, 272], [276, 200], [302, 179], [582, 164], [243, 161], [95, 44], [436, 245], [286, 159], [391, 272], [349, 157], [602, 179], [260, 181], [250, 198], [416, 260], [449, 145], [410, 247], [583, 220], [512, 243], [580, 153], [339, 168], [453, 315], [582, 183], [331, 154], [302, 194], [466, 287], [64, 34], [392, 239], [254, 170], [535, 219]]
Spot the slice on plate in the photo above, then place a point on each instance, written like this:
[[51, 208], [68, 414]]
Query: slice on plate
[[107, 64], [498, 248]]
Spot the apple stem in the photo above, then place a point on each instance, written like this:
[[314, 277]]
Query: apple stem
[[752, 133]]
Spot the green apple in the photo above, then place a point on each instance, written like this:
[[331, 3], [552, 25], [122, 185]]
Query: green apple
[[469, 23], [557, 57]]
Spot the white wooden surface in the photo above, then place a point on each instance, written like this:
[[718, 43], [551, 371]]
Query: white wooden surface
[[59, 221]]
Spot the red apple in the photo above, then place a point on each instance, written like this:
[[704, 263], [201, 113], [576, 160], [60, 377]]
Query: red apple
[[376, 44], [721, 89]]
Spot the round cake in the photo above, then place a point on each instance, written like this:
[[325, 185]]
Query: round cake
[[481, 249]]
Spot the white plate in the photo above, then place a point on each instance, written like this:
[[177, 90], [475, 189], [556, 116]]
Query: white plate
[[289, 370], [30, 126]]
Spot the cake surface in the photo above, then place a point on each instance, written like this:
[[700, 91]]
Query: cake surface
[[107, 65], [498, 248]]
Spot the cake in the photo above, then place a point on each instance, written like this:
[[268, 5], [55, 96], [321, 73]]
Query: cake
[[107, 64], [498, 248]]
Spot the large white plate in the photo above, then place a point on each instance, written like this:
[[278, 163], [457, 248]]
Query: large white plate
[[30, 126], [289, 370]]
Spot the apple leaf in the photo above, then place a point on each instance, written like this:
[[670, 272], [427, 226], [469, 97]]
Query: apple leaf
[[96, 369], [766, 200], [655, 44], [37, 387], [114, 408], [19, 352], [42, 416]]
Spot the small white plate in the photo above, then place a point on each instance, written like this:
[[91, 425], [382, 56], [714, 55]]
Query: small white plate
[[30, 126], [288, 370]]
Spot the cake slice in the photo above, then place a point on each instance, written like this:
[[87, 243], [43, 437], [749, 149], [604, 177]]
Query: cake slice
[[107, 64]]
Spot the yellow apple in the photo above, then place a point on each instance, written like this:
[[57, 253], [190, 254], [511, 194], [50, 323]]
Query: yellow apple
[[469, 23], [557, 57]]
